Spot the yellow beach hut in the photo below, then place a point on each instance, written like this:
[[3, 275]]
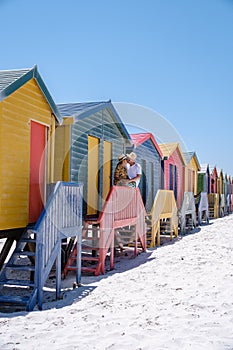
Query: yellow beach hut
[[191, 172], [28, 118]]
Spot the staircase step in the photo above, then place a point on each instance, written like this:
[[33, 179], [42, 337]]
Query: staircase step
[[16, 300], [122, 236], [71, 268], [88, 269], [87, 247], [26, 253], [21, 267], [28, 240], [22, 283], [89, 258]]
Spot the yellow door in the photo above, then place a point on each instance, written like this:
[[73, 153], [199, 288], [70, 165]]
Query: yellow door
[[107, 169], [93, 175]]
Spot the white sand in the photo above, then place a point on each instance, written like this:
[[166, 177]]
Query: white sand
[[178, 296]]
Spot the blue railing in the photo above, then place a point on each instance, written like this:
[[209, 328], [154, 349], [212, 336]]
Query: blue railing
[[61, 218]]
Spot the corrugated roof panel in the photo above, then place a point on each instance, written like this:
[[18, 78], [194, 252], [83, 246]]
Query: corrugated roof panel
[[140, 138], [11, 80], [7, 77], [76, 109], [82, 110]]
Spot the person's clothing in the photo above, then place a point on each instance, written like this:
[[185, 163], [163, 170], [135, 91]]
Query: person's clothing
[[133, 171], [120, 174]]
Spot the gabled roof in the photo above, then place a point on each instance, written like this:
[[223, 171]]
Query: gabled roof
[[219, 172], [204, 168], [213, 169], [83, 110], [140, 138], [169, 148], [189, 156], [12, 80]]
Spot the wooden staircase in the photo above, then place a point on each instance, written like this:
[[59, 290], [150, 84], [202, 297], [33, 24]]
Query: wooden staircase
[[187, 213], [203, 209], [213, 201], [17, 285], [90, 257], [38, 250], [162, 221], [123, 209]]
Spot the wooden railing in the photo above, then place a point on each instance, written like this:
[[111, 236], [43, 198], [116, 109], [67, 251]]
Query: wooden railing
[[222, 205], [213, 200], [203, 207], [228, 204], [164, 207], [123, 207], [187, 208], [61, 218], [231, 203]]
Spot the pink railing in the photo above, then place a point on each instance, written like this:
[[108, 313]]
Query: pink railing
[[123, 207]]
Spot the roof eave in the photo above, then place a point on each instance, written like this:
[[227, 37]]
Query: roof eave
[[47, 95], [33, 73], [106, 105], [147, 137]]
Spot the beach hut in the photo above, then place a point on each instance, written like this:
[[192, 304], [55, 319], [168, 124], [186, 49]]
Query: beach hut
[[174, 169], [220, 181], [28, 118], [220, 189], [87, 145], [213, 179], [226, 182], [149, 156], [203, 184], [187, 211], [213, 196], [191, 171], [34, 212]]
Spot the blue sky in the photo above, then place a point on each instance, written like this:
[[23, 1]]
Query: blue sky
[[174, 57]]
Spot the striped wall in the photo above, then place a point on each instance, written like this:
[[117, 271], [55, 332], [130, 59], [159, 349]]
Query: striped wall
[[151, 180], [25, 104], [102, 126]]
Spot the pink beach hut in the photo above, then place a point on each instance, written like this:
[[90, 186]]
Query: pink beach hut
[[213, 180], [149, 156], [213, 196], [174, 170]]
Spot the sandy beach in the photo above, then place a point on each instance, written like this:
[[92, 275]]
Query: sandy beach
[[176, 296]]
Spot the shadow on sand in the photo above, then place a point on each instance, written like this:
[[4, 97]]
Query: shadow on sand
[[123, 261]]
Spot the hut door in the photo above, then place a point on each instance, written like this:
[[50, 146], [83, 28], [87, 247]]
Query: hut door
[[107, 162], [37, 170], [93, 175]]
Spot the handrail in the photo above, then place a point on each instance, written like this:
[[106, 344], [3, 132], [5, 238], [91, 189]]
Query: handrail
[[123, 207], [61, 217], [213, 200], [187, 207], [164, 206], [203, 206]]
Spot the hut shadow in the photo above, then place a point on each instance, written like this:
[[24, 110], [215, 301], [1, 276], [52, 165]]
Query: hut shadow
[[124, 261], [189, 232], [68, 297], [71, 294]]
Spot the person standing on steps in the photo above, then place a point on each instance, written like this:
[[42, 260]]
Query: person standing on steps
[[134, 170], [120, 173]]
